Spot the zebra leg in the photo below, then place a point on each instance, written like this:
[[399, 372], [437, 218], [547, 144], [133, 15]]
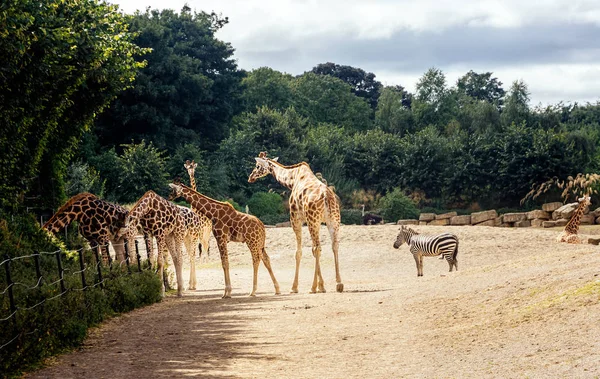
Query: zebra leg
[[420, 264], [416, 256]]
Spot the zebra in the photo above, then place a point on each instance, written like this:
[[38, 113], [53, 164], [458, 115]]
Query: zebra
[[445, 244]]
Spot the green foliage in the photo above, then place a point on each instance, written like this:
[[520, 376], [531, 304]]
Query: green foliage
[[351, 216], [62, 322], [397, 206], [482, 87], [273, 219], [392, 116], [265, 87], [516, 109], [62, 63], [266, 203], [81, 177], [142, 168], [176, 169]]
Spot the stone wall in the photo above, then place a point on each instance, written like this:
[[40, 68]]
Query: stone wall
[[551, 214]]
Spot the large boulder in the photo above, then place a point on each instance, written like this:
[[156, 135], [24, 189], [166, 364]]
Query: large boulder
[[423, 223], [445, 216], [514, 217], [407, 222], [561, 222], [427, 216], [487, 223], [479, 217], [566, 211], [444, 221], [549, 224], [587, 219], [539, 214], [551, 207], [536, 222], [460, 220], [523, 224]]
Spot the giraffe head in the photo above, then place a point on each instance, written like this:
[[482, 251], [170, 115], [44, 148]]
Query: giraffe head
[[585, 200], [176, 191], [190, 166], [262, 168]]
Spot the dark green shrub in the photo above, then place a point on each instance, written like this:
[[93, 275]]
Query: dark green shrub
[[397, 206], [266, 203], [272, 219], [351, 216]]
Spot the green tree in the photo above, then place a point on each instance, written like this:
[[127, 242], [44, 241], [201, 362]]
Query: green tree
[[324, 98], [63, 62], [143, 167], [392, 116], [267, 87], [363, 83], [516, 109], [189, 90], [482, 87], [434, 103], [265, 203], [395, 206]]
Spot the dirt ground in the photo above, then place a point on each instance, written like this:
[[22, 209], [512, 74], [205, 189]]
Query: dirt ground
[[520, 306]]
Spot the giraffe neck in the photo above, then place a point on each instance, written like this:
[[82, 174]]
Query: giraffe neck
[[142, 207], [291, 175], [204, 204], [71, 211], [572, 226], [192, 180]]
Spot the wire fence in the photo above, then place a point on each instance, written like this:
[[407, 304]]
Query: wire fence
[[131, 260]]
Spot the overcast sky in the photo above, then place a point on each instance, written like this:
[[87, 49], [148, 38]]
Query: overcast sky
[[554, 48]]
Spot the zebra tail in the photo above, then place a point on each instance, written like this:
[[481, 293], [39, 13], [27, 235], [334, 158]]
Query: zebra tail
[[455, 251]]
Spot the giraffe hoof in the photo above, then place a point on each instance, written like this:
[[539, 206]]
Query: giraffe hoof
[[252, 295], [339, 287], [294, 290], [313, 291], [226, 297]]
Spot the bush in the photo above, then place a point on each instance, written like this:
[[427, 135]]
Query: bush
[[58, 323], [351, 216], [274, 219], [397, 206], [266, 203]]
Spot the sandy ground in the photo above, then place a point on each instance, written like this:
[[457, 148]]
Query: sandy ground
[[520, 306]]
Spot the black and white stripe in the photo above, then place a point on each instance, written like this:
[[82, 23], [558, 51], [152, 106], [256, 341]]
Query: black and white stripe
[[445, 244]]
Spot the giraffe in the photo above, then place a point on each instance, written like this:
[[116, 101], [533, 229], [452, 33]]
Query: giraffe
[[230, 225], [99, 221], [205, 223], [569, 234], [164, 221], [311, 201]]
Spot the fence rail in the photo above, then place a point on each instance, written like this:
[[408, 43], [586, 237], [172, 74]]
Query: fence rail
[[94, 269]]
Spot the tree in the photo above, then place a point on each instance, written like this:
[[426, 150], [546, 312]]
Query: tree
[[267, 87], [392, 116], [363, 83], [516, 109], [189, 90], [482, 87], [324, 98], [434, 102], [62, 63]]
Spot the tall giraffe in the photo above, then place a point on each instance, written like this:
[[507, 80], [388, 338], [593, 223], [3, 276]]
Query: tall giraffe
[[164, 221], [569, 234], [205, 225], [311, 201], [230, 225], [99, 221]]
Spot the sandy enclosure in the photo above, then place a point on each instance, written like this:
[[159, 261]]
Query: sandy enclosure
[[520, 306]]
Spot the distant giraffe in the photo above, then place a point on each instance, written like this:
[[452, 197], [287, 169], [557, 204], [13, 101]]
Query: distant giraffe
[[99, 221], [165, 221], [311, 201], [230, 225], [569, 234]]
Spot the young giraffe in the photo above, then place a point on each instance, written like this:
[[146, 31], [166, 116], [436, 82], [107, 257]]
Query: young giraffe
[[230, 225], [99, 221], [569, 234], [165, 222], [311, 201], [204, 227]]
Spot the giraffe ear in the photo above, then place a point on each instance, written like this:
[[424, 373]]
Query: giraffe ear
[[275, 159], [262, 154]]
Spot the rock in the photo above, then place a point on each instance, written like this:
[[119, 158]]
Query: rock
[[561, 222], [479, 217], [407, 222], [487, 223], [596, 212], [498, 221], [423, 222], [445, 216], [427, 216], [283, 224], [514, 217], [536, 222], [587, 219], [523, 224], [503, 225], [551, 207], [539, 214], [460, 220], [566, 211], [594, 241], [549, 224], [598, 220], [390, 223], [444, 221]]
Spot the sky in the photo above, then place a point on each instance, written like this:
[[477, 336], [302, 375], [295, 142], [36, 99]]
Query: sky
[[553, 45]]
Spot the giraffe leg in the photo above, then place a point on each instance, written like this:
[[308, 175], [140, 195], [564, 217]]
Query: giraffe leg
[[313, 228], [334, 232], [267, 262], [256, 253], [222, 244], [119, 248], [190, 249], [162, 248], [175, 245], [297, 226]]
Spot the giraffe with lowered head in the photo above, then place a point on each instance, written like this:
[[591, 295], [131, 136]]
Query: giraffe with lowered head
[[164, 221], [311, 201], [569, 234], [230, 225], [99, 221]]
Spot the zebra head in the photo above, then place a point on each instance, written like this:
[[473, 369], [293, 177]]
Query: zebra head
[[404, 236]]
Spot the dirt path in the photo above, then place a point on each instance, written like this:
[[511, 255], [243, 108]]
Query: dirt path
[[521, 306]]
